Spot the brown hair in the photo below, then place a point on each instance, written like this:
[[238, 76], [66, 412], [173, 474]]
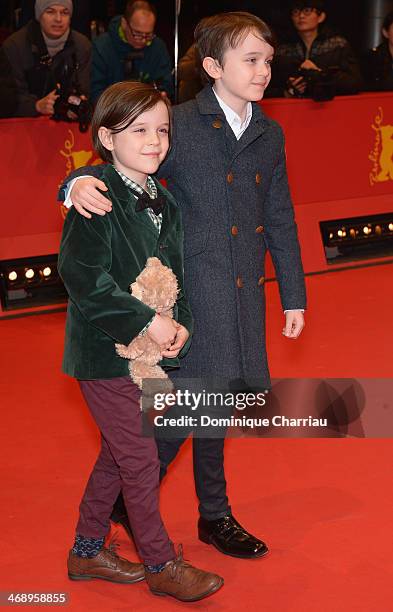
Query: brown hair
[[138, 5], [119, 106], [214, 35]]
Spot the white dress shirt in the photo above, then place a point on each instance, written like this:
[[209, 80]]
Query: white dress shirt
[[236, 124]]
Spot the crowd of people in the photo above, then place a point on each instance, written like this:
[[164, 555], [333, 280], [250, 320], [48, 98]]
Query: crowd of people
[[46, 61]]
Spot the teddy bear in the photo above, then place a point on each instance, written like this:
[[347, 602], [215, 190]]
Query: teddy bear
[[157, 287]]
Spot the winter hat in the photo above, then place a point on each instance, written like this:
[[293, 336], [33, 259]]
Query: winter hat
[[42, 5]]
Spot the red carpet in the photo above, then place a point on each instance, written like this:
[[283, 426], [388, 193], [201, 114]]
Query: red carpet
[[324, 506]]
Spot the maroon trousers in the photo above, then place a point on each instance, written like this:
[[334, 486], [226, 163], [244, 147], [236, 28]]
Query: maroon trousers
[[128, 462]]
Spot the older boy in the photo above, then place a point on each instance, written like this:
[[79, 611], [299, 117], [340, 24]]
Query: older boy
[[227, 172]]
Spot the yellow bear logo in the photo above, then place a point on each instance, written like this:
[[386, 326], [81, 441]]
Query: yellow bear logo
[[382, 153]]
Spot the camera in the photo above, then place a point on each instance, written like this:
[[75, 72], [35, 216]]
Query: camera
[[319, 84], [73, 106]]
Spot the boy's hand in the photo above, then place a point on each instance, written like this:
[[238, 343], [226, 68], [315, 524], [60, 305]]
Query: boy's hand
[[163, 331], [294, 323], [85, 196], [180, 340]]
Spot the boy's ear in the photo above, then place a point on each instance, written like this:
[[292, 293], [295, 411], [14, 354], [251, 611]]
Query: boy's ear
[[385, 33], [106, 138], [212, 67]]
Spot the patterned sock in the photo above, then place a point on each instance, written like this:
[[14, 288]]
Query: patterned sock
[[87, 547], [155, 569]]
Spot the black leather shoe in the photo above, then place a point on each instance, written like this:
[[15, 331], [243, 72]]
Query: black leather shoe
[[230, 538]]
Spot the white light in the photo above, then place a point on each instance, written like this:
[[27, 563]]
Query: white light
[[366, 230], [47, 271], [12, 275], [391, 227], [29, 273], [341, 233]]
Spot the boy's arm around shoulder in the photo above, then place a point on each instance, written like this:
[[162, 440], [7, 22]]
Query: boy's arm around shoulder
[[85, 262], [96, 171], [281, 234]]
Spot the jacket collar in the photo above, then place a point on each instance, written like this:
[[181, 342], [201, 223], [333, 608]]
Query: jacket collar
[[117, 185], [208, 105]]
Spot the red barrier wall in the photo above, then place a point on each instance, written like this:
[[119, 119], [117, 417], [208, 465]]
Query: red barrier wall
[[339, 162]]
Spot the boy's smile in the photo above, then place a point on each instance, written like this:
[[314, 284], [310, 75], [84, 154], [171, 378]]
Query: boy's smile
[[245, 72], [139, 149]]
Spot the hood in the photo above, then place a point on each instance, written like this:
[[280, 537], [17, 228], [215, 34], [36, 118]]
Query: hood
[[113, 31]]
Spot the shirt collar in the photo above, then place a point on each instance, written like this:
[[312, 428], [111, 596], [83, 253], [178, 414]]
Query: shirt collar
[[151, 188], [238, 126]]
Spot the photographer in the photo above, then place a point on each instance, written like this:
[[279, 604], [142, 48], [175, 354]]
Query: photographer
[[130, 50], [48, 60], [378, 64], [317, 63]]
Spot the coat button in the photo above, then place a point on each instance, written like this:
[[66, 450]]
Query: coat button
[[229, 177], [258, 178], [217, 124], [260, 229], [234, 230], [239, 282], [261, 281]]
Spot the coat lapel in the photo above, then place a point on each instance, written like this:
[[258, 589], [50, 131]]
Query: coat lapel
[[167, 214], [256, 129], [208, 105], [223, 138]]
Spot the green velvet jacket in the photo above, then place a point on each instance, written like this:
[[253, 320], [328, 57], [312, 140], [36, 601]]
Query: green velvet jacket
[[99, 259]]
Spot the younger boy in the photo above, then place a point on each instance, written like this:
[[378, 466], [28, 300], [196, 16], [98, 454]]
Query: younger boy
[[227, 171], [98, 261]]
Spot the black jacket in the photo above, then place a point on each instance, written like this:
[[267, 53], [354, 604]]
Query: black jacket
[[378, 68], [35, 74], [8, 91], [330, 52]]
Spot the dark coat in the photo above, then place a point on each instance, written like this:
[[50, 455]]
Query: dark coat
[[189, 75], [329, 51], [235, 204], [378, 68], [35, 75], [8, 90], [98, 261], [151, 64]]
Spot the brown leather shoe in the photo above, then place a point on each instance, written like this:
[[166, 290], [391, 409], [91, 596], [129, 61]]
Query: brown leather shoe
[[183, 581], [107, 565]]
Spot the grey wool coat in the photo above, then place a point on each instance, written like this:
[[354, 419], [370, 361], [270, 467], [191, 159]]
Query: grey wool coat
[[235, 204]]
